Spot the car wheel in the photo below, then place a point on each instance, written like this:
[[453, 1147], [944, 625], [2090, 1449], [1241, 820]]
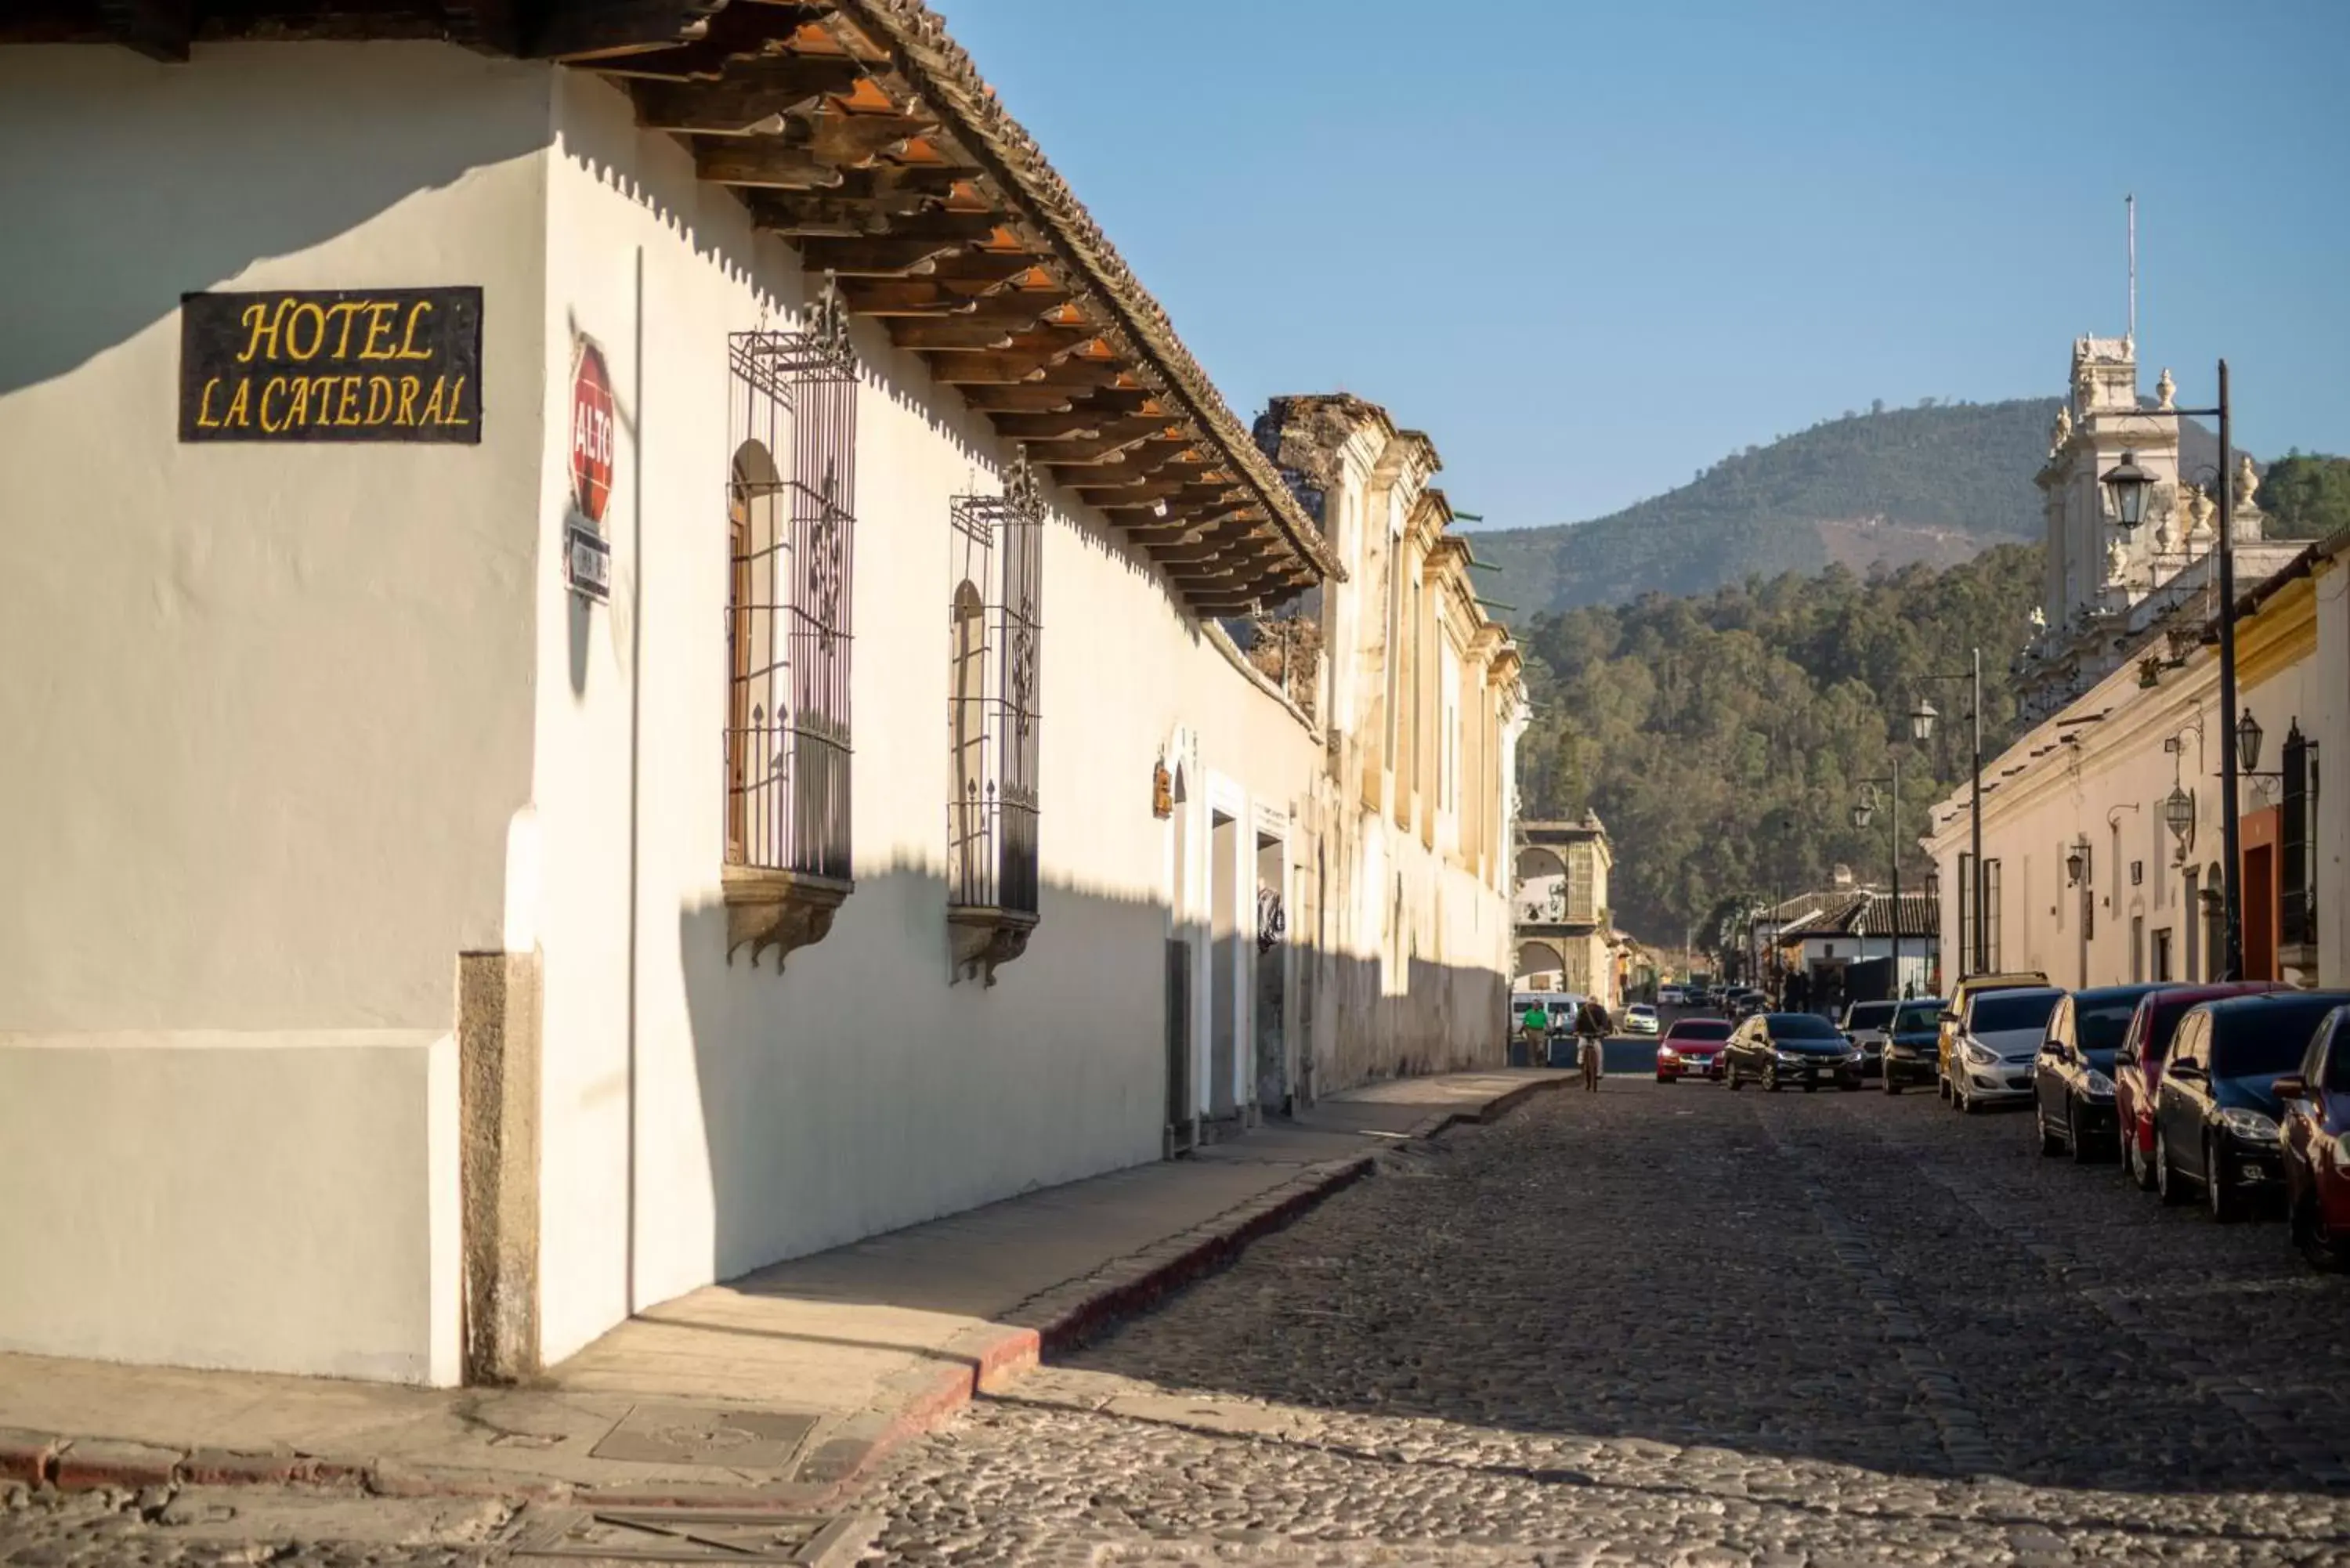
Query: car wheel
[[2050, 1143], [2220, 1195], [2073, 1133], [2319, 1246], [2136, 1165], [2168, 1185]]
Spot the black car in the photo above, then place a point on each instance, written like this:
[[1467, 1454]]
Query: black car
[[2072, 1078], [1777, 1048], [1866, 1024], [2215, 1117], [1913, 1043]]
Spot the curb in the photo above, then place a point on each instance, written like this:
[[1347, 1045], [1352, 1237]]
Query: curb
[[988, 1359]]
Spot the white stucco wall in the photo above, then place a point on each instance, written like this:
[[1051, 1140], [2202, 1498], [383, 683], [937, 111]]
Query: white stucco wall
[[858, 1091], [309, 720], [267, 705], [278, 1203]]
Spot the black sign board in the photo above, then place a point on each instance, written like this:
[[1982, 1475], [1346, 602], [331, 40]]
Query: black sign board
[[356, 364], [586, 562]]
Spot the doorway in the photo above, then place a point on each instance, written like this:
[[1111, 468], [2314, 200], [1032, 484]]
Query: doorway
[[1224, 939], [2260, 913], [1273, 1076]]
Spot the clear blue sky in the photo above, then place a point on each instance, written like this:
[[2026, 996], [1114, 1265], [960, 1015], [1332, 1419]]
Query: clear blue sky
[[1590, 248]]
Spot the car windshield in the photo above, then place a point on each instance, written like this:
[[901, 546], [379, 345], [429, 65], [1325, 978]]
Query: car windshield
[[2100, 1029], [1702, 1029], [1918, 1017], [1997, 1011], [2266, 1039], [1801, 1026], [1871, 1014]]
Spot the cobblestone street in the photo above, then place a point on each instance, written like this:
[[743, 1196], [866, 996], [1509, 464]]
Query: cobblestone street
[[1663, 1326], [1674, 1326]]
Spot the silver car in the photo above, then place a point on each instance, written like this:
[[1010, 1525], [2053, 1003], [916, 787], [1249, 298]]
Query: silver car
[[1997, 1043]]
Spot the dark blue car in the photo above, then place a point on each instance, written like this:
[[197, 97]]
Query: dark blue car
[[2215, 1119]]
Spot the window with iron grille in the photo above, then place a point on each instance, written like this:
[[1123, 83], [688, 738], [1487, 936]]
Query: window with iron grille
[[2296, 922], [991, 716], [791, 515]]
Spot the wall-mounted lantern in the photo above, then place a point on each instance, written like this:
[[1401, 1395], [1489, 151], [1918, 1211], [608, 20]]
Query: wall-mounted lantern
[[1162, 791]]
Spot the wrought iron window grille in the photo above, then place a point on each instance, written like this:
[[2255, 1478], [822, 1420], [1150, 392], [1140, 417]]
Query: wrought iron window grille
[[993, 723], [791, 510]]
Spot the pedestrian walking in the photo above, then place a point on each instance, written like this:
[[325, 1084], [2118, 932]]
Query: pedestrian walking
[[1591, 1026], [1537, 1027]]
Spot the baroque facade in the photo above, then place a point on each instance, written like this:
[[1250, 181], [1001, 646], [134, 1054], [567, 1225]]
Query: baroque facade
[[1565, 940], [2101, 835], [658, 691]]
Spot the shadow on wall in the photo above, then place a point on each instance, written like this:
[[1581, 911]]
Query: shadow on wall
[[860, 1092], [244, 191]]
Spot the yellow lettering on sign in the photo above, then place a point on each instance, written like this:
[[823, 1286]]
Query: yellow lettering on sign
[[408, 349], [239, 414], [456, 404], [349, 310], [409, 386], [293, 350], [265, 323], [382, 314], [346, 408], [379, 407], [432, 414], [273, 425], [299, 390], [323, 388], [204, 406]]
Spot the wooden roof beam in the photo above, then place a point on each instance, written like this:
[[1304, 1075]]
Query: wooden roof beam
[[657, 37], [753, 98]]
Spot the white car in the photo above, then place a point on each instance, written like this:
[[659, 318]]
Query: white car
[[1671, 996], [1997, 1045], [1640, 1019]]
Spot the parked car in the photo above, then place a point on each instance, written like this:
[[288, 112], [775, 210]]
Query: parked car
[[1692, 1048], [2136, 1071], [1672, 996], [2315, 1140], [1640, 1019], [1867, 1024], [1745, 1003], [2215, 1116], [1954, 1014], [1700, 996], [2071, 1081], [1912, 1044], [1998, 1036], [1776, 1049]]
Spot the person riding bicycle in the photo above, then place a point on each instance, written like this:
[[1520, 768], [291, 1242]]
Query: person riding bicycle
[[1591, 1026]]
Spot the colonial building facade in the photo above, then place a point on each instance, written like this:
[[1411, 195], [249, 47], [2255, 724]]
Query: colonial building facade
[[2101, 835], [1565, 940], [647, 656]]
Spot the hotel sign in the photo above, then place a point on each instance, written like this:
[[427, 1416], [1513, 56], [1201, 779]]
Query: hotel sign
[[332, 365]]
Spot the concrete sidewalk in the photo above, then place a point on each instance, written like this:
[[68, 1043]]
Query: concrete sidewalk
[[777, 1389]]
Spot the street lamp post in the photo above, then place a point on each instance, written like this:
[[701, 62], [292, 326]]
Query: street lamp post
[[1862, 810], [1975, 958], [2127, 484]]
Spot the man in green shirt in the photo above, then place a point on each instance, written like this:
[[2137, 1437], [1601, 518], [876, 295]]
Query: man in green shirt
[[1536, 1024]]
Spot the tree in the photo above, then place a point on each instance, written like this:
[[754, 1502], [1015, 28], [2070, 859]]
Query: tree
[[2306, 495]]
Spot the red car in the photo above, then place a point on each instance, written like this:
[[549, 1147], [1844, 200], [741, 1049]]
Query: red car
[[2137, 1065], [2316, 1139], [1692, 1049]]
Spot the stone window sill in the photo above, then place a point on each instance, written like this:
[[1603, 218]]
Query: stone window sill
[[985, 937], [785, 910]]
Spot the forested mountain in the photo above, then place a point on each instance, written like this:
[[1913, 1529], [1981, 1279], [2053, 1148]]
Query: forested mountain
[[1721, 737], [1934, 484]]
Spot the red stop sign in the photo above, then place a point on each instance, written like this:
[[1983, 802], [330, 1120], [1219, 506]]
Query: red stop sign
[[592, 428]]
